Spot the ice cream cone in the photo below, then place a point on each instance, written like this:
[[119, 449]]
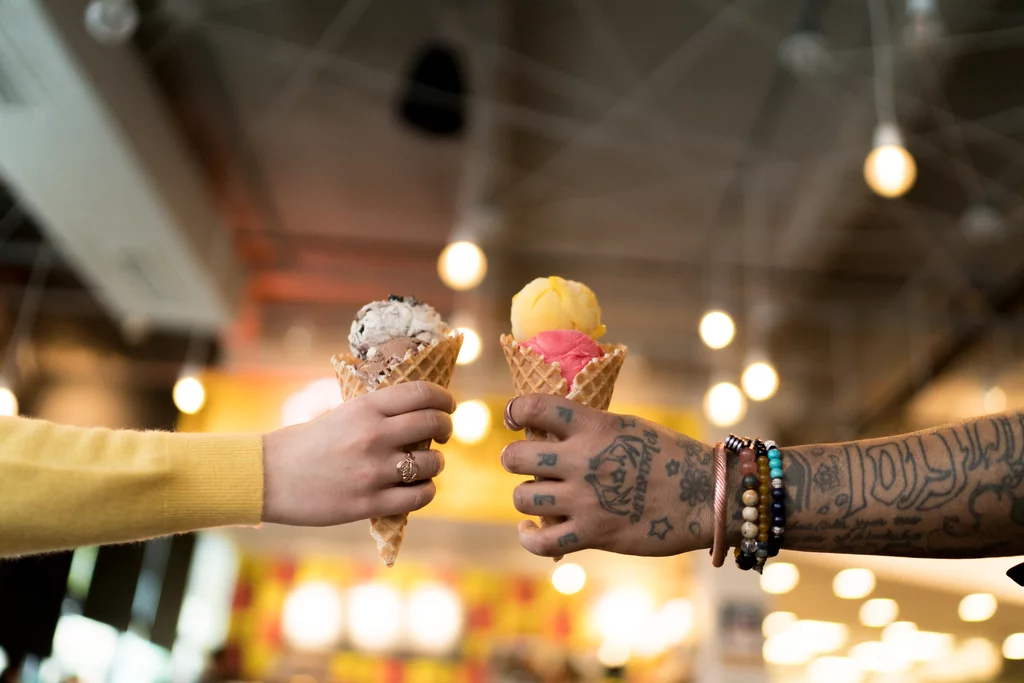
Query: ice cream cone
[[433, 363], [592, 387]]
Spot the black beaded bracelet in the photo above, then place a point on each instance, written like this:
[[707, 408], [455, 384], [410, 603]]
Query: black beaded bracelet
[[778, 498]]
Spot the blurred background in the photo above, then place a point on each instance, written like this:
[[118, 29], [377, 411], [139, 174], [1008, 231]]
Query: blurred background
[[802, 216]]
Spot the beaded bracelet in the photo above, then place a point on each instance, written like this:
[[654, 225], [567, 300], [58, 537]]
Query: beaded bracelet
[[751, 508], [763, 517], [745, 553], [763, 500], [778, 494]]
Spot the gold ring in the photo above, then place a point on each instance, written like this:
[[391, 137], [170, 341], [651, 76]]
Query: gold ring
[[407, 469]]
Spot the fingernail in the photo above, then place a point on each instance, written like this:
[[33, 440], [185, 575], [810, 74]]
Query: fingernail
[[509, 422]]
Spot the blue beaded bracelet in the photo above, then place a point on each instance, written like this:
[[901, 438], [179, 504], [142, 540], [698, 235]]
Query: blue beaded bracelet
[[778, 496]]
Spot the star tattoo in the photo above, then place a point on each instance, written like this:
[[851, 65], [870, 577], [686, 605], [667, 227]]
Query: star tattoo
[[660, 528]]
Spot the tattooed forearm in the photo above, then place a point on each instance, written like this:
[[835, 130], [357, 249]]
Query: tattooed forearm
[[695, 485], [953, 491], [542, 499]]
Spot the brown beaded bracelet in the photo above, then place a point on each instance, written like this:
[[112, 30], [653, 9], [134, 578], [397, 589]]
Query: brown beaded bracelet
[[763, 506]]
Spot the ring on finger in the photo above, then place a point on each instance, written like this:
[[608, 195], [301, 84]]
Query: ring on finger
[[510, 421], [408, 469]]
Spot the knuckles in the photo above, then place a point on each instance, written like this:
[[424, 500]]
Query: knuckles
[[510, 458], [424, 393], [519, 499], [531, 406], [424, 494]]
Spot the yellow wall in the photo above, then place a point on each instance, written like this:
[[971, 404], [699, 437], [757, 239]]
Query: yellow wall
[[473, 486]]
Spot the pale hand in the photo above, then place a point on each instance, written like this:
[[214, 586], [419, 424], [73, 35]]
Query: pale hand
[[343, 466]]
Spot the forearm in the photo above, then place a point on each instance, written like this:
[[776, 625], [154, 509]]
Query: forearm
[[62, 487], [952, 491]]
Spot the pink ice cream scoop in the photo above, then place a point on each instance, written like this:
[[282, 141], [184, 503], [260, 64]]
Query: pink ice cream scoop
[[571, 349]]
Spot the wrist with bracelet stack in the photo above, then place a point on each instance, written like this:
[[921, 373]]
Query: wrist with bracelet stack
[[763, 499]]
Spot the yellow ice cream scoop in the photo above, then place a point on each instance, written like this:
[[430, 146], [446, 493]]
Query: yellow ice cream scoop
[[554, 303]]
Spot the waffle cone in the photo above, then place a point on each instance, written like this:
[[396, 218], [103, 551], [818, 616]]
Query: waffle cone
[[434, 363], [592, 387]]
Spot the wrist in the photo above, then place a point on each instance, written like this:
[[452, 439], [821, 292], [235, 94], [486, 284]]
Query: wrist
[[271, 484]]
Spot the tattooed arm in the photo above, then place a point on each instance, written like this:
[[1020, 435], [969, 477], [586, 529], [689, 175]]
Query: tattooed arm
[[952, 491], [627, 485]]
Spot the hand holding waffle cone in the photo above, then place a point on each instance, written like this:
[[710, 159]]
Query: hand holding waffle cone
[[553, 349], [394, 342]]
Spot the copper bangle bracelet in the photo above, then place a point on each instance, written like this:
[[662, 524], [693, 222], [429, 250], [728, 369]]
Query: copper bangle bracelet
[[718, 547]]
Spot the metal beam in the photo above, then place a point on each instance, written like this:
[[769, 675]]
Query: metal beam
[[945, 356]]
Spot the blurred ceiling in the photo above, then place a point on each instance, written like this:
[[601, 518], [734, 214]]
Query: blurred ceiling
[[67, 338], [668, 158]]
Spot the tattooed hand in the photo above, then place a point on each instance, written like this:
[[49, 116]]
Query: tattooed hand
[[620, 483]]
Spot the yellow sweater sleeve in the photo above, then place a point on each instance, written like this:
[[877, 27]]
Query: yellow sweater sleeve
[[63, 487]]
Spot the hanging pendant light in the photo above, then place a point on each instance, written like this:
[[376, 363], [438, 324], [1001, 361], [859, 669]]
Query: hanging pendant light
[[890, 170]]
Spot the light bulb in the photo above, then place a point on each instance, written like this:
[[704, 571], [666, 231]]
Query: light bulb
[[189, 394], [8, 401], [471, 346], [312, 616], [471, 422], [982, 223], [613, 655], [618, 614], [568, 578], [434, 619], [717, 329], [981, 657], [776, 623], [879, 612], [924, 27], [854, 583], [820, 637], [779, 578], [675, 620], [374, 617], [786, 650], [462, 265], [724, 404], [977, 607], [805, 53], [834, 670], [1013, 646], [890, 170], [875, 656], [760, 381], [994, 400], [111, 22]]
